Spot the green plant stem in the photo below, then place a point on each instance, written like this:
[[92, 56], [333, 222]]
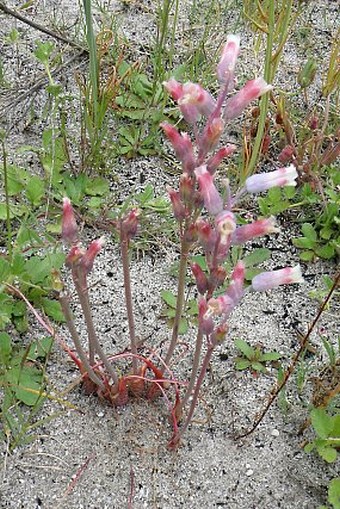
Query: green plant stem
[[8, 212], [183, 263], [64, 302], [124, 245], [94, 66], [94, 345], [194, 370], [265, 98]]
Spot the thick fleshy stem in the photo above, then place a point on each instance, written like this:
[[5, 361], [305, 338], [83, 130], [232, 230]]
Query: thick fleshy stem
[[206, 361], [64, 302], [124, 246], [80, 284], [183, 263]]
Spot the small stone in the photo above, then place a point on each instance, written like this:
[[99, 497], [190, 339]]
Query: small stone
[[249, 472], [275, 433], [100, 413]]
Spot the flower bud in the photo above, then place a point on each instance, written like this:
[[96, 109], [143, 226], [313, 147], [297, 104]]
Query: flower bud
[[307, 73], [129, 224], [253, 89], [206, 235], [200, 277], [174, 88], [217, 277], [69, 226], [205, 321], [186, 188], [286, 154], [226, 66], [211, 135], [212, 199], [219, 334], [177, 206], [90, 254], [74, 256], [215, 160], [182, 145]]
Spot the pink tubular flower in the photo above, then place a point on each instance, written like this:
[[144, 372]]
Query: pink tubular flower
[[178, 208], [253, 230], [129, 224], [182, 145], [224, 304], [226, 66], [206, 235], [69, 226], [215, 160], [74, 256], [212, 199], [200, 277], [211, 135], [253, 89], [195, 101], [174, 88], [225, 225], [90, 254], [205, 321], [278, 178], [275, 278]]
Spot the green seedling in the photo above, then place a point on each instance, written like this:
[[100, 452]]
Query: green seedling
[[333, 494], [327, 430], [190, 311], [22, 381], [254, 359]]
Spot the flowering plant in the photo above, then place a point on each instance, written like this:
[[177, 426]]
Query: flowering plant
[[215, 233]]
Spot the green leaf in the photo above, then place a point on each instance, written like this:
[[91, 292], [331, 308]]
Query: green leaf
[[183, 326], [257, 256], [321, 422], [169, 298], [25, 381], [270, 356], [97, 187], [245, 348], [40, 349], [5, 348], [307, 256], [18, 264], [335, 426], [309, 447], [5, 270], [304, 243], [327, 453], [257, 366], [309, 231], [241, 364], [334, 493], [53, 309], [35, 190], [326, 252]]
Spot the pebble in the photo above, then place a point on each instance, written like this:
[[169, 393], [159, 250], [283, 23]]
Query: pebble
[[249, 472], [275, 433]]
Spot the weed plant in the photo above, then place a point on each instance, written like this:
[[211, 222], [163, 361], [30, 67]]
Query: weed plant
[[206, 219]]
